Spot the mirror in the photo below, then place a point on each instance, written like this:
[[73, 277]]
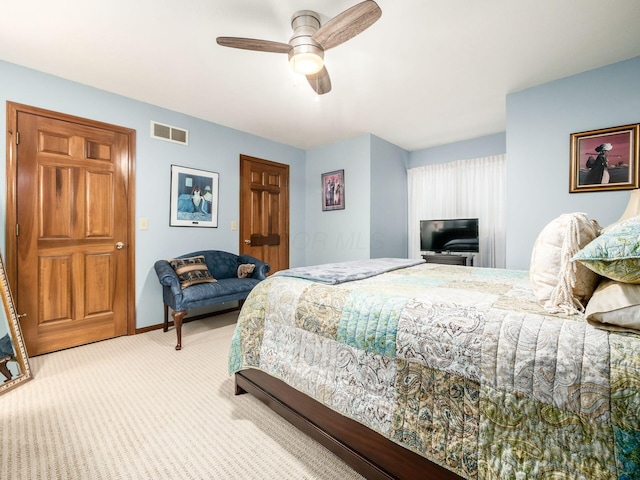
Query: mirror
[[14, 365]]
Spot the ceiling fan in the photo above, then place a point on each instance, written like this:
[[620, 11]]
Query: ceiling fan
[[310, 40]]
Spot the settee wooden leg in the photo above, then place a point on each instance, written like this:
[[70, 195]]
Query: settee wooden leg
[[177, 321], [166, 318], [4, 370]]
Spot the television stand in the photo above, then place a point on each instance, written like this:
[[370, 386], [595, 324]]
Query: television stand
[[449, 258]]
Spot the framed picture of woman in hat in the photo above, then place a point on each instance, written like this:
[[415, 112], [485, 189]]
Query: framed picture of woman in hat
[[605, 159]]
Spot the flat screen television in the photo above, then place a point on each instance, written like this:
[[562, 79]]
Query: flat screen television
[[454, 235]]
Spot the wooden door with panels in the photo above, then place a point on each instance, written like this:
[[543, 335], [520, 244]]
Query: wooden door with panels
[[264, 211], [69, 231]]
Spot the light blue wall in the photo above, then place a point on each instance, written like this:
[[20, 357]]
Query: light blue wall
[[389, 210], [338, 235], [374, 221], [540, 121], [211, 147], [486, 146]]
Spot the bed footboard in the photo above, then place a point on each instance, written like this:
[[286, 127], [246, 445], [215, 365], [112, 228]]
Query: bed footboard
[[366, 451]]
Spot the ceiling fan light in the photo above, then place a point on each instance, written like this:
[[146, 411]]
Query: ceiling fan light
[[306, 63]]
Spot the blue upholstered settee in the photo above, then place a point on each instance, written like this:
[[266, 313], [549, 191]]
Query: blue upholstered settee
[[223, 266]]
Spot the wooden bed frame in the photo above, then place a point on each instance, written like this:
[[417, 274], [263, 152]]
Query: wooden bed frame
[[366, 451]]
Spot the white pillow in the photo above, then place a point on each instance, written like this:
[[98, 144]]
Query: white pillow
[[615, 306], [560, 285]]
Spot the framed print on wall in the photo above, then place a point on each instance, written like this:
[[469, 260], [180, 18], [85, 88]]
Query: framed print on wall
[[605, 159], [194, 197], [333, 190]]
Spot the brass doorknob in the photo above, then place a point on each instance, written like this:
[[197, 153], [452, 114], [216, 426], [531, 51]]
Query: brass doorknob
[[248, 242], [119, 245]]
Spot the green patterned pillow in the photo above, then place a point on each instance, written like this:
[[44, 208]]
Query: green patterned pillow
[[615, 254], [191, 271]]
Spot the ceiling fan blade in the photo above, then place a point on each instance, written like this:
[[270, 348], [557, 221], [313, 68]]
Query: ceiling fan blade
[[347, 24], [254, 44], [320, 82]]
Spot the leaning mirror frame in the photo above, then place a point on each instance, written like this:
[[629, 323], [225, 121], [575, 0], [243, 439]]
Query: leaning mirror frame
[[12, 350]]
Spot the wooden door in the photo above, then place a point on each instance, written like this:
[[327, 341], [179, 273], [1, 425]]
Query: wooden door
[[73, 240], [264, 211]]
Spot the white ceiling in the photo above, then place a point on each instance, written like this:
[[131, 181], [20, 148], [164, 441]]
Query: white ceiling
[[429, 72]]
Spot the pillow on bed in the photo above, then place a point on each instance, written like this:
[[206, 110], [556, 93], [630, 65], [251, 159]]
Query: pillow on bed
[[560, 285], [615, 306], [191, 271], [615, 254]]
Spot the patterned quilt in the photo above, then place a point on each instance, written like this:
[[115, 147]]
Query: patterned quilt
[[458, 364]]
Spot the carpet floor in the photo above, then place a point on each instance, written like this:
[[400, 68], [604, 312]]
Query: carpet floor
[[134, 408]]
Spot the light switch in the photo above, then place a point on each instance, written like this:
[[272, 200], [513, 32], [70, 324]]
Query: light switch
[[234, 225], [143, 223]]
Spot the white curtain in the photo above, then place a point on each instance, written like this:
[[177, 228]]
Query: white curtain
[[472, 188]]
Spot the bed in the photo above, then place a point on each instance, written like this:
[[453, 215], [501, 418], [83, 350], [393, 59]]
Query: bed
[[408, 369]]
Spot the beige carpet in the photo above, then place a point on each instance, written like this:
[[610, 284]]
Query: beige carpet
[[134, 408]]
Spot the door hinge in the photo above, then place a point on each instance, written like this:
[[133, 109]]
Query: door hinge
[[17, 138], [17, 229]]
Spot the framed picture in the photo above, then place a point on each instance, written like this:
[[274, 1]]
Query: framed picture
[[194, 197], [605, 159], [333, 190]]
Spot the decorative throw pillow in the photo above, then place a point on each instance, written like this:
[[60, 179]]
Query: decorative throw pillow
[[245, 270], [560, 285], [615, 254], [191, 271], [615, 306]]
